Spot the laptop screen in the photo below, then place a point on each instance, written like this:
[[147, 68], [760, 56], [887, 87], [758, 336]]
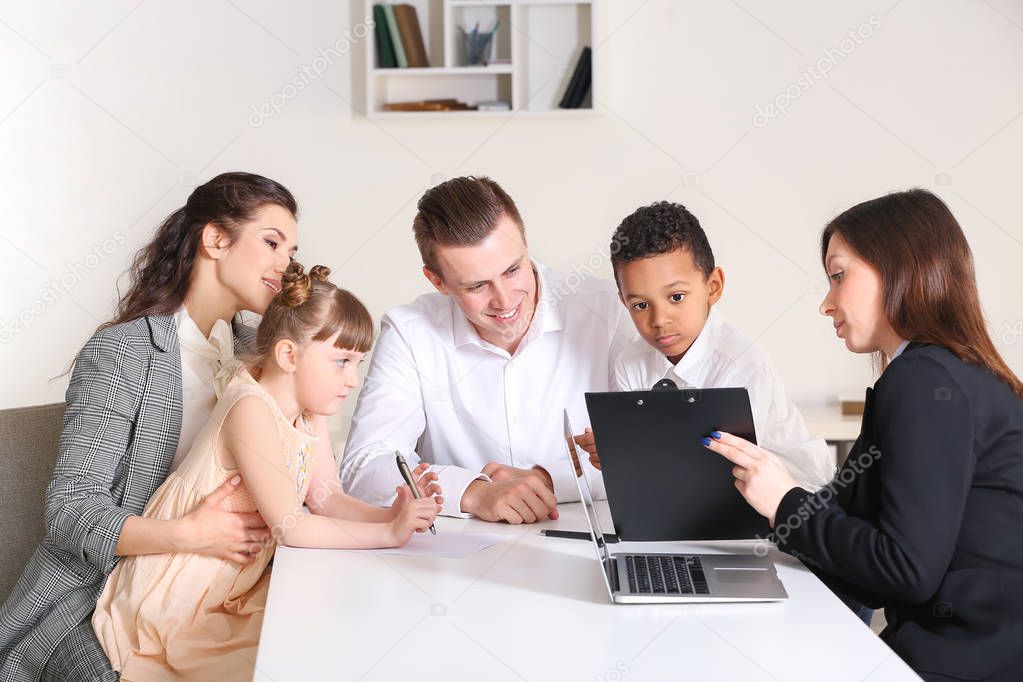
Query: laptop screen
[[584, 491]]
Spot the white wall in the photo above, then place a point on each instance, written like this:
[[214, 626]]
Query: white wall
[[109, 115]]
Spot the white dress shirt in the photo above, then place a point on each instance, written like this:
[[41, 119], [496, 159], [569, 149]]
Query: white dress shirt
[[204, 363], [722, 357], [439, 393]]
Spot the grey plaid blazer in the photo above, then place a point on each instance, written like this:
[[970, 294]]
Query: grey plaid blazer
[[120, 432]]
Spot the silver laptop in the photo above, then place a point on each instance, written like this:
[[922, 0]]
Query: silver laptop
[[674, 578]]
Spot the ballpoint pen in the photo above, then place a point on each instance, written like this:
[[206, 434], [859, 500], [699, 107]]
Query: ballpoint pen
[[406, 473], [575, 535]]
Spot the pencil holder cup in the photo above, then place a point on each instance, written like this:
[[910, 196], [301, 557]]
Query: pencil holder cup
[[476, 46]]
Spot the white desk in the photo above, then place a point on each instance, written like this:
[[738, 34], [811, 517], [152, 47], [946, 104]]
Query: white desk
[[828, 422], [535, 608]]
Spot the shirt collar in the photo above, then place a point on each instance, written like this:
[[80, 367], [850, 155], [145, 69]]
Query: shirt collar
[[898, 351], [693, 367], [220, 344], [549, 315]]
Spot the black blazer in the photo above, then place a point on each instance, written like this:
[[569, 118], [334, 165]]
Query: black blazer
[[925, 518]]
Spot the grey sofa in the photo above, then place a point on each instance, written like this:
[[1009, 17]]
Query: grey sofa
[[29, 438]]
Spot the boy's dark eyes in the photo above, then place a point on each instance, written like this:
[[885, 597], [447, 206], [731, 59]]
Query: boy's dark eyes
[[677, 298], [642, 305]]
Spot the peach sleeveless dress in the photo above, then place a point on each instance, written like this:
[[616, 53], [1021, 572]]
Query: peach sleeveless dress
[[187, 616]]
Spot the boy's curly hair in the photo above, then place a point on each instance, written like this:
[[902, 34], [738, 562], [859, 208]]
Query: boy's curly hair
[[660, 228]]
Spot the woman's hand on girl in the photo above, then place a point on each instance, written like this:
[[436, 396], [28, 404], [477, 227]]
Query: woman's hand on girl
[[209, 530], [759, 475], [411, 515]]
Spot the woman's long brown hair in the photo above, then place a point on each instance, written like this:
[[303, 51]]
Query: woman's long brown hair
[[161, 271], [928, 280]]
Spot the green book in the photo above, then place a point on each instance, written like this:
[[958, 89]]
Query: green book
[[392, 26], [385, 50]]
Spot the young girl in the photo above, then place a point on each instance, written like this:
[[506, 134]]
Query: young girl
[[141, 388], [925, 518], [189, 616]]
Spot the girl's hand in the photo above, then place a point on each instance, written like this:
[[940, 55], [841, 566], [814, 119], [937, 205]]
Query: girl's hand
[[209, 530], [425, 480], [410, 515], [759, 475]]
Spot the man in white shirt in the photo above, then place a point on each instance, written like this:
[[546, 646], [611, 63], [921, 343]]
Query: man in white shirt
[[667, 280], [475, 377]]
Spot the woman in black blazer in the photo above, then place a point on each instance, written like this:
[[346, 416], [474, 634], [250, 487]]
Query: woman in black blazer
[[925, 518]]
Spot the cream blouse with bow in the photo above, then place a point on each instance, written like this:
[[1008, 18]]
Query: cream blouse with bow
[[207, 364]]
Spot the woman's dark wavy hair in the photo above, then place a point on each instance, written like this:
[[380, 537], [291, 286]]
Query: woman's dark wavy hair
[[929, 288], [161, 271]]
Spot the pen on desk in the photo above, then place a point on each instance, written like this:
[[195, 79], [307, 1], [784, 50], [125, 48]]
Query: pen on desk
[[576, 535], [406, 473]]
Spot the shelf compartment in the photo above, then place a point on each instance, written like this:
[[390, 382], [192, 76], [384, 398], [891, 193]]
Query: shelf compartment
[[558, 33], [470, 89]]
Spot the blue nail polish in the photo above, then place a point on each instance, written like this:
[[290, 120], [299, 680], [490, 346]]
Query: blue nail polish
[[705, 441], [716, 435]]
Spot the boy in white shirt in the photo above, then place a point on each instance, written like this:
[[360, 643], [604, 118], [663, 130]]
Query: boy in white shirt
[[666, 277]]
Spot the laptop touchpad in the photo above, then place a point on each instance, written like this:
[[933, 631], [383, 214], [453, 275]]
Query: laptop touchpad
[[739, 575]]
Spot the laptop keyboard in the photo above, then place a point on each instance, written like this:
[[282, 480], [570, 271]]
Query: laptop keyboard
[[658, 574]]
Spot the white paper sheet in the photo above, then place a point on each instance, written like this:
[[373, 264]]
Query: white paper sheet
[[446, 545]]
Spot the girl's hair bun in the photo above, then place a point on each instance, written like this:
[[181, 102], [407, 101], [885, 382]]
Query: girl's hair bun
[[311, 308], [320, 273], [296, 286]]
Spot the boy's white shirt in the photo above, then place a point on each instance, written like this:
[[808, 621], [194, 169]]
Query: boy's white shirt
[[723, 357]]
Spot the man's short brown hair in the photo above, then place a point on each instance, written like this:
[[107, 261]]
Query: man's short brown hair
[[460, 212]]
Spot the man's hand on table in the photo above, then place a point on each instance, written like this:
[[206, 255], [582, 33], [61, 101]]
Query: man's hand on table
[[513, 495]]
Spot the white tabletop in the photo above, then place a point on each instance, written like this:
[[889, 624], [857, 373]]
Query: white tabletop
[[536, 608], [828, 422]]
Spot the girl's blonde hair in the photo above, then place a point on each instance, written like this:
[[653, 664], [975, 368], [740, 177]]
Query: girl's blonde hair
[[311, 308]]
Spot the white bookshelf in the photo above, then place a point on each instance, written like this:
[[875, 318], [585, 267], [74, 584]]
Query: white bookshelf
[[536, 45]]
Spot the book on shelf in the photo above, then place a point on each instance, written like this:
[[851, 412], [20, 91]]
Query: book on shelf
[[385, 50], [448, 104], [493, 105], [411, 35], [399, 36], [579, 85], [392, 28]]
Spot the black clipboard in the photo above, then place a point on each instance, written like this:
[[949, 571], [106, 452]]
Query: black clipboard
[[661, 482]]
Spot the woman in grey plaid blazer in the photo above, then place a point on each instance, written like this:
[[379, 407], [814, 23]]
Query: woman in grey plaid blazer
[[221, 253]]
